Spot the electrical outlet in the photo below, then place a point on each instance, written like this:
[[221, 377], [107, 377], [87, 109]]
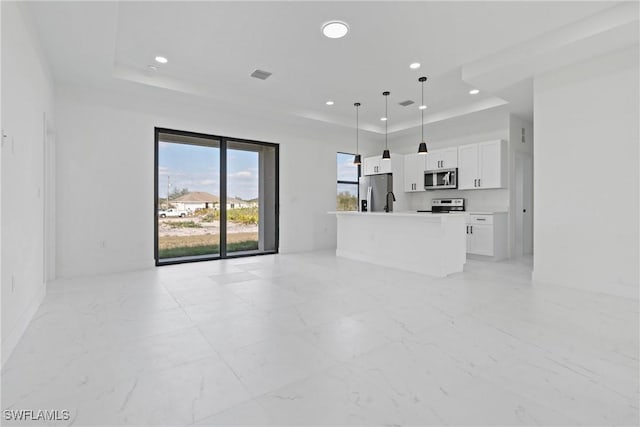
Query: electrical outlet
[[13, 283], [523, 140]]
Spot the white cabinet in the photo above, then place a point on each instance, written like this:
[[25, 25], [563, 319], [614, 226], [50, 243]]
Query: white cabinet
[[468, 166], [487, 235], [442, 159], [375, 165], [482, 165], [414, 167]]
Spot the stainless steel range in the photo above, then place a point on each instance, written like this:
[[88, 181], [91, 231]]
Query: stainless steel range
[[446, 206]]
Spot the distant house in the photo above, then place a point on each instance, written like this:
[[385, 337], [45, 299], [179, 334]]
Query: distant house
[[233, 203], [253, 203], [197, 200]]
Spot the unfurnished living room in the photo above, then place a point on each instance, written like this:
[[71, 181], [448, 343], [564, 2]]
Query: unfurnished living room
[[320, 213]]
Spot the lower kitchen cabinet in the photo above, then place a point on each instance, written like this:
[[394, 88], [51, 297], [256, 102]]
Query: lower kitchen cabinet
[[487, 235]]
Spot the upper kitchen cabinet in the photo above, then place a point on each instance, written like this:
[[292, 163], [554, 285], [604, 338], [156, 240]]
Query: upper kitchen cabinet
[[375, 165], [414, 167], [442, 159], [482, 165]]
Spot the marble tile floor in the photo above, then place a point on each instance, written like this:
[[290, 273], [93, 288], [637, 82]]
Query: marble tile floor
[[311, 339]]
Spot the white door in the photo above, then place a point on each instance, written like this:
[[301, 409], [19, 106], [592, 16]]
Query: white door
[[371, 164], [384, 166], [414, 172], [433, 159], [490, 164], [467, 166], [524, 204], [449, 158], [481, 240]]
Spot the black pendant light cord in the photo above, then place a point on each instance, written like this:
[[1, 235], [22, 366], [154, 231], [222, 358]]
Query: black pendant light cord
[[357, 104], [422, 79], [385, 152], [357, 160], [386, 116], [422, 147]]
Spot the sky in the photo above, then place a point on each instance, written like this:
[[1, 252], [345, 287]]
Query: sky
[[347, 171], [198, 169]]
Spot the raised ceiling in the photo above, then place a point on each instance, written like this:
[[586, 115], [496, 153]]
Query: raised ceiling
[[213, 47]]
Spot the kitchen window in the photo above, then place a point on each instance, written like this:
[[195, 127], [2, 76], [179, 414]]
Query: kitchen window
[[347, 188]]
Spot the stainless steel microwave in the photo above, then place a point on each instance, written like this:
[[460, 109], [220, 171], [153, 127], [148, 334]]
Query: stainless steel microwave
[[441, 179]]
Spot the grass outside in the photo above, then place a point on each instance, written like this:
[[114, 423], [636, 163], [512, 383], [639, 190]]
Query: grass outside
[[178, 246]]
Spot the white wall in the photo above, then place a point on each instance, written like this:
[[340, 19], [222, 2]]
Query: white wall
[[476, 127], [105, 154], [26, 99], [586, 175]]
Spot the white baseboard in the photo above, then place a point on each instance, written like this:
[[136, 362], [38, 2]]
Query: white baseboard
[[10, 342], [612, 289]]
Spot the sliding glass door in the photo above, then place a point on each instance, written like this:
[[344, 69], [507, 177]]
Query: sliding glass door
[[251, 202], [215, 197]]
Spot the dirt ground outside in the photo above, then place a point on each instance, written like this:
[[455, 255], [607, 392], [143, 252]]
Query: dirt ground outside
[[192, 232]]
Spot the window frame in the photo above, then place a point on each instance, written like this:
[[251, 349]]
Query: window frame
[[357, 182], [223, 196]]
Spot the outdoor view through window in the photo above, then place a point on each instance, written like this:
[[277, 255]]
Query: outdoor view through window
[[191, 209], [348, 173]]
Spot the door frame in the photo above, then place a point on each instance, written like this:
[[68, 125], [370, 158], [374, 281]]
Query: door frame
[[223, 197]]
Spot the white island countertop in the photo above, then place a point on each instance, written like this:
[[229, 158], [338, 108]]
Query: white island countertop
[[404, 213], [422, 242]]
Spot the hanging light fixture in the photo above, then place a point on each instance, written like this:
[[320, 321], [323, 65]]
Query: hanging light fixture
[[422, 148], [357, 159], [385, 153]]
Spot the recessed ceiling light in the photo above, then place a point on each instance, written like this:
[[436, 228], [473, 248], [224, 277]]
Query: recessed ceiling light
[[384, 119], [329, 102], [414, 66], [422, 107], [161, 59], [335, 29], [474, 92]]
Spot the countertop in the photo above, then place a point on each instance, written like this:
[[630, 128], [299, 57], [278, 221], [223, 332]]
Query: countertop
[[398, 214], [486, 212]]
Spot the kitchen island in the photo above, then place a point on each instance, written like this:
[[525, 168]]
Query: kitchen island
[[433, 244]]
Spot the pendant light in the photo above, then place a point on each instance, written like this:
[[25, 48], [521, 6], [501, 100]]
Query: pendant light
[[422, 148], [385, 153], [357, 160]]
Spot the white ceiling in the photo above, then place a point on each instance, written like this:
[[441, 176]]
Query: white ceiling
[[212, 48]]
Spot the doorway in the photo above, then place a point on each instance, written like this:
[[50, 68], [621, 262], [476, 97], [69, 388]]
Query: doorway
[[215, 197], [523, 204]]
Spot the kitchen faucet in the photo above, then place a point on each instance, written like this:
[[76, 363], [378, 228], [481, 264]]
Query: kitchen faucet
[[386, 207]]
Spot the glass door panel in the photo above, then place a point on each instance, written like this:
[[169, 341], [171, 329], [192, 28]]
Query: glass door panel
[[187, 197], [251, 207]]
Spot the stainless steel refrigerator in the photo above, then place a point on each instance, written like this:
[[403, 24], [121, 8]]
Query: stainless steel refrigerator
[[377, 191]]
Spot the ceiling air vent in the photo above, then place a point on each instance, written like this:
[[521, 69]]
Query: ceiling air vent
[[261, 74], [406, 103]]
